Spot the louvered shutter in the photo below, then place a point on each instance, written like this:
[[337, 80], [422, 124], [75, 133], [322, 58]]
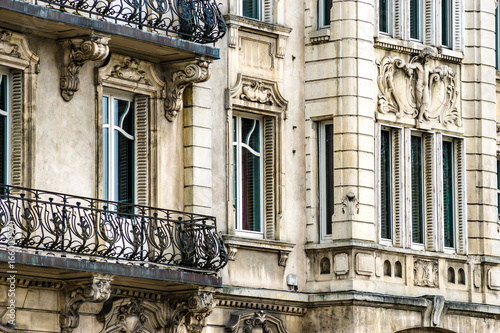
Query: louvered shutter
[[268, 11], [17, 129], [397, 20], [429, 175], [460, 197], [142, 153], [397, 197], [457, 25], [269, 176], [429, 22]]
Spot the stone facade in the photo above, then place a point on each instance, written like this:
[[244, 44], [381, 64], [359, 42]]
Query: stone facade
[[301, 131]]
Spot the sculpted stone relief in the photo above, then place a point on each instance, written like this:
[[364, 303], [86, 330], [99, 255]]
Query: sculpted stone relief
[[250, 321], [6, 46], [426, 273], [417, 90]]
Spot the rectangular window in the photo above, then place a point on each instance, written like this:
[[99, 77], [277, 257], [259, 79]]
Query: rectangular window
[[448, 194], [324, 8], [247, 174], [415, 19], [498, 187], [384, 18], [4, 128], [258, 9], [446, 22], [326, 176], [118, 149], [417, 203], [386, 163], [251, 9], [497, 37]]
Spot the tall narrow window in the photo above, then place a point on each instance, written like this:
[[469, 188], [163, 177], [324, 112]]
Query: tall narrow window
[[415, 18], [498, 188], [448, 195], [247, 151], [4, 128], [251, 9], [324, 8], [118, 149], [326, 176], [417, 208], [497, 37], [385, 184], [384, 17], [446, 20]]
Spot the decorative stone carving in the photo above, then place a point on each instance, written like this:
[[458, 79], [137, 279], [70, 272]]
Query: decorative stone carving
[[434, 313], [250, 321], [179, 75], [341, 264], [256, 92], [132, 315], [365, 264], [6, 46], [283, 258], [76, 52], [233, 36], [232, 250], [426, 273], [16, 53], [96, 291], [416, 90], [130, 69], [192, 313], [350, 204]]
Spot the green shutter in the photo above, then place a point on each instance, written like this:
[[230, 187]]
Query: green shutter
[[269, 177], [416, 190], [386, 208], [142, 149], [448, 189], [429, 167], [17, 129]]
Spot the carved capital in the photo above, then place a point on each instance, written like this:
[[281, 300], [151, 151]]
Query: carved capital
[[193, 312], [76, 52], [96, 291], [178, 77]]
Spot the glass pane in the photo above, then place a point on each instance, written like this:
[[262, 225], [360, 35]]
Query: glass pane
[[3, 92], [385, 185], [416, 190], [250, 191], [448, 193], [414, 19], [250, 133], [124, 168], [105, 164], [251, 8], [383, 24], [329, 176], [105, 110], [327, 6], [445, 22], [3, 149]]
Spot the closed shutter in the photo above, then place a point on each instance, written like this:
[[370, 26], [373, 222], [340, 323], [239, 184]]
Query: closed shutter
[[268, 11], [17, 129], [269, 176], [429, 173], [396, 153], [429, 22], [397, 20], [457, 25], [142, 153], [460, 208]]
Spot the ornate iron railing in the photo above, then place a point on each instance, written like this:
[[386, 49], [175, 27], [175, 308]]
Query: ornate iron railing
[[195, 20], [55, 222]]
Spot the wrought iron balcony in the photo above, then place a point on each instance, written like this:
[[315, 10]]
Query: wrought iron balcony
[[50, 222], [194, 20]]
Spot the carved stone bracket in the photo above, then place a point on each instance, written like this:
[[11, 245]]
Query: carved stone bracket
[[248, 321], [426, 273], [179, 76], [350, 204], [76, 52], [417, 90], [434, 312], [96, 291], [193, 312]]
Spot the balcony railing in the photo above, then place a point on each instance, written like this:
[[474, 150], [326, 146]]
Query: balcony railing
[[85, 227], [195, 20]]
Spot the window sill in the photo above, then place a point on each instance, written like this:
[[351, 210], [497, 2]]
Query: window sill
[[234, 243], [412, 47], [320, 36]]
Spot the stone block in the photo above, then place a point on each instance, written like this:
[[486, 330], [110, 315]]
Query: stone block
[[494, 278], [341, 263], [197, 157], [365, 264], [198, 136]]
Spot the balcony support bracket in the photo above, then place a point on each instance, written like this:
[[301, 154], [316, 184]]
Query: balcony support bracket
[[193, 312], [76, 52]]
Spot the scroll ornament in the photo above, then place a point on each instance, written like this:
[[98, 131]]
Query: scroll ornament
[[415, 89]]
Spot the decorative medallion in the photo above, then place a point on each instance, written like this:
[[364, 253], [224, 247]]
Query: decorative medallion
[[426, 273]]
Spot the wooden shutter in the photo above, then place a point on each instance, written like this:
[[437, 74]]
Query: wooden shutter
[[428, 32], [430, 203], [268, 10], [142, 146], [397, 19], [269, 176], [460, 197], [457, 25], [17, 129], [397, 197]]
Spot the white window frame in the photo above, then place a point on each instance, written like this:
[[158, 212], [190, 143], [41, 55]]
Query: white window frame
[[439, 26], [265, 12], [238, 218], [113, 94], [8, 166], [390, 19], [421, 21], [497, 38], [322, 13], [322, 177], [454, 191]]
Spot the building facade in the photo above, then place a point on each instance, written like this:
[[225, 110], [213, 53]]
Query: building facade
[[249, 166]]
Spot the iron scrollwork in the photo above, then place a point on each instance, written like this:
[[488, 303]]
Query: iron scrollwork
[[194, 20], [56, 222]]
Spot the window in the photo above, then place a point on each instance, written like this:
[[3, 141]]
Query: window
[[415, 19], [498, 187], [247, 173], [429, 204], [324, 7], [4, 127], [118, 149], [326, 176], [257, 9], [497, 37], [384, 18], [446, 20]]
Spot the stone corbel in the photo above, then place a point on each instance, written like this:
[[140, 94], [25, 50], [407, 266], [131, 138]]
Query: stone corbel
[[281, 46], [96, 291], [233, 36], [179, 75], [350, 204], [76, 52], [193, 312], [434, 312]]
